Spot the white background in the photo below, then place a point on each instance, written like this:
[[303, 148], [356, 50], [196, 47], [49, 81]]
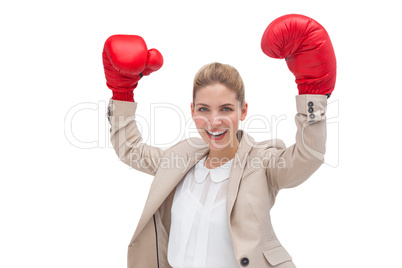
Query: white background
[[67, 201]]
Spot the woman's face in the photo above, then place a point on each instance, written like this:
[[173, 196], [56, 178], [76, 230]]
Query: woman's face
[[216, 114]]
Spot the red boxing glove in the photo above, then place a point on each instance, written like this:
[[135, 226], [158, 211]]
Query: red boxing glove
[[307, 49], [125, 60]]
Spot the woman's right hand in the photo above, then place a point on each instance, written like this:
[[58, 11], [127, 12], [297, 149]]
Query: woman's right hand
[[126, 59]]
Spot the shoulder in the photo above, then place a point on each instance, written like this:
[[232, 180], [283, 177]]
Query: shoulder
[[251, 150], [270, 144], [275, 144], [267, 149]]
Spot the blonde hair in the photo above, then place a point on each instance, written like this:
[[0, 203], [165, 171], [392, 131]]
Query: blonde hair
[[218, 73]]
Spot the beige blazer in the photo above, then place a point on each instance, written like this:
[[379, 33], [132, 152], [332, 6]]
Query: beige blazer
[[258, 172]]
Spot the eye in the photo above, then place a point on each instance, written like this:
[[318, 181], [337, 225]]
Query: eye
[[202, 109], [227, 109]]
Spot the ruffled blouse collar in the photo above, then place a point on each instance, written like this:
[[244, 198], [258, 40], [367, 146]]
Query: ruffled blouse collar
[[218, 174]]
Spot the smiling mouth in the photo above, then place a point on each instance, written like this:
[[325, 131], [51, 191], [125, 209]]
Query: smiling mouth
[[216, 135]]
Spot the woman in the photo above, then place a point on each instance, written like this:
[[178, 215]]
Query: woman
[[209, 202]]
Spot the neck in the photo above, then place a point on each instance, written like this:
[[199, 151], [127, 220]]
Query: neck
[[217, 158]]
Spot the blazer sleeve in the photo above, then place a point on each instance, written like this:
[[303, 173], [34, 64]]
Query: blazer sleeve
[[127, 140], [298, 162]]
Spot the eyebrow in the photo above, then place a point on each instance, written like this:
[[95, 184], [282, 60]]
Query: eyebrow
[[206, 105]]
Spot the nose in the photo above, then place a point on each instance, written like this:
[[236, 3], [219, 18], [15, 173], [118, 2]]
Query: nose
[[216, 120]]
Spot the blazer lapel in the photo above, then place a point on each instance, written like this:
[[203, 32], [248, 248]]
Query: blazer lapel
[[173, 168], [238, 165], [169, 176]]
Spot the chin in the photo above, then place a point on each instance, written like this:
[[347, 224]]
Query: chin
[[217, 145]]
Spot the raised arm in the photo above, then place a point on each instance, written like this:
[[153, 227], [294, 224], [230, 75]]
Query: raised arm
[[126, 59], [309, 54]]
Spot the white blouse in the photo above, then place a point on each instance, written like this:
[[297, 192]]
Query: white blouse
[[199, 233]]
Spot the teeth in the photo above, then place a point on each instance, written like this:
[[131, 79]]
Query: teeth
[[216, 133]]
